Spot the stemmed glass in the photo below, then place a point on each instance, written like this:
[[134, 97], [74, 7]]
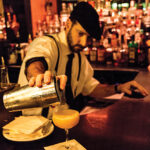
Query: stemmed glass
[[66, 119]]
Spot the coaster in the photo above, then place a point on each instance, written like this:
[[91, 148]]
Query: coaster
[[70, 142]]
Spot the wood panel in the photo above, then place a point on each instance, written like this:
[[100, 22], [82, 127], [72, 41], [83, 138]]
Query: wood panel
[[38, 12]]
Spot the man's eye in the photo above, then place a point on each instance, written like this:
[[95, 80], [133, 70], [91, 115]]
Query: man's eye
[[81, 34]]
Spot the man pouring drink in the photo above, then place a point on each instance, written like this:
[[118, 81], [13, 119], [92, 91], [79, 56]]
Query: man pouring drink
[[62, 53]]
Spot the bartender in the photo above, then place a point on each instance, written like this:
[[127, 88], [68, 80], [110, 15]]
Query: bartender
[[62, 53]]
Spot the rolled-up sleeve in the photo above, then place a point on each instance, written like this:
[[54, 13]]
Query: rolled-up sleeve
[[40, 47]]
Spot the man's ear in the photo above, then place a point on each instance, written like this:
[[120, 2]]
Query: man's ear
[[68, 23]]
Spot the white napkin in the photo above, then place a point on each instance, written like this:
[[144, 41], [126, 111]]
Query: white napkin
[[115, 96], [70, 142], [26, 124]]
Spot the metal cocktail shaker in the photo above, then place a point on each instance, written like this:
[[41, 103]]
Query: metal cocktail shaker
[[32, 97]]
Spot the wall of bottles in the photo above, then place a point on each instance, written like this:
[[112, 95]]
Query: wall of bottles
[[126, 33]]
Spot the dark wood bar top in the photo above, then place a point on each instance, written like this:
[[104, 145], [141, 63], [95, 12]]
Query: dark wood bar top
[[115, 125], [122, 125]]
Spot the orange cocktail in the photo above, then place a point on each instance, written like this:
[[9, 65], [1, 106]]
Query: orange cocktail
[[66, 118]]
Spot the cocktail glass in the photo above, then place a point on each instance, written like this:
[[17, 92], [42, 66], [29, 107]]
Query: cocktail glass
[[66, 119]]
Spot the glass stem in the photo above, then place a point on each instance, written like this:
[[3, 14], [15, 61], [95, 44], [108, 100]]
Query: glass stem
[[67, 138], [67, 135]]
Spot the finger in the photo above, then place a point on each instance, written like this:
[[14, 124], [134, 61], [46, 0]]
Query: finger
[[47, 77], [141, 89], [63, 80], [127, 91], [39, 80], [32, 81], [145, 91]]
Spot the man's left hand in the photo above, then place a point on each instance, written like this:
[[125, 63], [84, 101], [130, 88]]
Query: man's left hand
[[128, 86]]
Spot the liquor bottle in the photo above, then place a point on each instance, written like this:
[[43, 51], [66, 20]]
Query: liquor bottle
[[148, 48], [56, 24], [140, 39], [70, 7], [93, 52], [29, 38], [3, 34], [132, 53], [18, 51], [15, 25], [39, 29], [11, 37], [9, 21], [124, 51], [87, 49], [12, 54], [48, 9], [48, 18], [115, 57], [64, 14], [44, 28], [132, 8], [109, 56], [101, 53]]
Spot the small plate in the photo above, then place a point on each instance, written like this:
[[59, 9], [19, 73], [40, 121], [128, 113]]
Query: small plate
[[20, 138]]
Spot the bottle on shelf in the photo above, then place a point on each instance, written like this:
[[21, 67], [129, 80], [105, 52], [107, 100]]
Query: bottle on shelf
[[116, 57], [132, 53], [109, 56], [87, 49], [9, 21], [3, 34], [48, 9], [15, 26], [29, 38], [56, 23], [12, 54], [70, 7], [64, 15], [11, 37], [148, 48], [123, 51], [86, 52], [44, 28], [101, 52], [93, 52], [39, 29], [18, 52]]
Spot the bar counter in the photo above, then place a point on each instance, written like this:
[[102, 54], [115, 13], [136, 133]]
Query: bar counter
[[115, 125]]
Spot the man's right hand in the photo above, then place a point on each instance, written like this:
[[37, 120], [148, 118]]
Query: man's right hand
[[46, 78]]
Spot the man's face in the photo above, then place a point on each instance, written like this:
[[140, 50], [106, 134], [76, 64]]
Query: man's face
[[77, 37]]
